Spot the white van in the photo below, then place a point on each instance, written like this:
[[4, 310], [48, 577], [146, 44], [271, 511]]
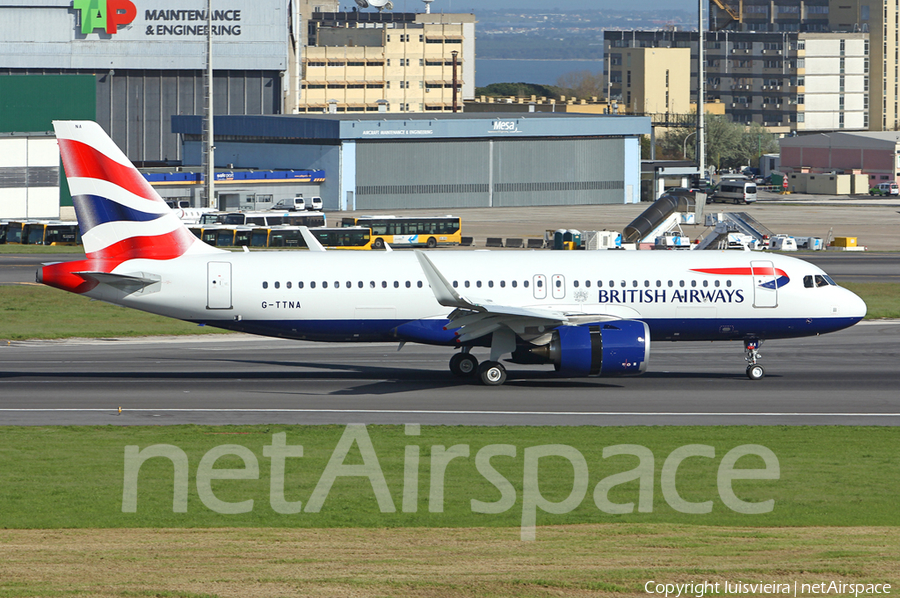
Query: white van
[[735, 191], [295, 204], [314, 203]]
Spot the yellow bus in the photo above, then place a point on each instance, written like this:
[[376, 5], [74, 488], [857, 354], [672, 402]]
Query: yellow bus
[[26, 232], [410, 231], [353, 237]]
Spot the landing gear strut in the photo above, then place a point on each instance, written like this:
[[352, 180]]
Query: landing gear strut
[[464, 365], [754, 370]]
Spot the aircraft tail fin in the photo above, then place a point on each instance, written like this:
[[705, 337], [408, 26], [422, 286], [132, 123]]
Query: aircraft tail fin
[[120, 215]]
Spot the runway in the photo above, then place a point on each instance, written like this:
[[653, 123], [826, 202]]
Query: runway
[[846, 378]]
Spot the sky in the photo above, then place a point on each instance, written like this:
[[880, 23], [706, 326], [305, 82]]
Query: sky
[[568, 5]]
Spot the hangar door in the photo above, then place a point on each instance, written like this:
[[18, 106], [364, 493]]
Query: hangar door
[[489, 172], [422, 174], [535, 172]]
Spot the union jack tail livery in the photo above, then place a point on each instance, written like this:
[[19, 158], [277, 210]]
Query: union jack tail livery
[[120, 215]]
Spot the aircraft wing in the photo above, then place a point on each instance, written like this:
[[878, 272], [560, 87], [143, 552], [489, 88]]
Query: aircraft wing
[[475, 318]]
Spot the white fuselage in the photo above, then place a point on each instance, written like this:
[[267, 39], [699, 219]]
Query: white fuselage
[[378, 296]]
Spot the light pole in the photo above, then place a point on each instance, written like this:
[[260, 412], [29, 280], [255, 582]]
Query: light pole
[[684, 146]]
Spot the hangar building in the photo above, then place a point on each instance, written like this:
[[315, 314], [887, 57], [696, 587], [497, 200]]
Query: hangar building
[[389, 161]]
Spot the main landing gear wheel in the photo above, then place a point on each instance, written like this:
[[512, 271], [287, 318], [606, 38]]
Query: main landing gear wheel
[[755, 372], [492, 373], [463, 365]]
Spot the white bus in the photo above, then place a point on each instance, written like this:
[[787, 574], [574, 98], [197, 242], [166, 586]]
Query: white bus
[[735, 191]]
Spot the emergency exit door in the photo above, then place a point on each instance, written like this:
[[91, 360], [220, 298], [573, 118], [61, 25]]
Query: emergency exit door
[[218, 285]]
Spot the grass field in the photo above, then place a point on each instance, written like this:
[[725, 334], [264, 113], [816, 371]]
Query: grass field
[[73, 477], [583, 560], [28, 311], [835, 516]]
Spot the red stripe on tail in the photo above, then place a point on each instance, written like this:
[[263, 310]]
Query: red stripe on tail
[[82, 160]]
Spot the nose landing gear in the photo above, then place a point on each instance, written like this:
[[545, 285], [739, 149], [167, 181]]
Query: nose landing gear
[[754, 370]]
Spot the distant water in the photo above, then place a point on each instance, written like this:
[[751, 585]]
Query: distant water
[[545, 72]]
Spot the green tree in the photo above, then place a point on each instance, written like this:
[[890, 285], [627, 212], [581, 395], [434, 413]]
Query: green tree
[[728, 144], [519, 90], [755, 141]]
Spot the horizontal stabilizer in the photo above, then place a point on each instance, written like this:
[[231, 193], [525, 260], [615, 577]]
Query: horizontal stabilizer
[[118, 280]]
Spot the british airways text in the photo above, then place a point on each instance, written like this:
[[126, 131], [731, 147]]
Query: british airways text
[[663, 296]]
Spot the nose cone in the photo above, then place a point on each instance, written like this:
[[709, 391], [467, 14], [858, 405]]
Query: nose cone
[[853, 306]]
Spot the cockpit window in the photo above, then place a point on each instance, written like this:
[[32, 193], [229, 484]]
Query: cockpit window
[[818, 280]]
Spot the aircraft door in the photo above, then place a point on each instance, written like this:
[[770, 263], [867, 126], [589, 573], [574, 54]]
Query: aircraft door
[[558, 285], [540, 286], [218, 285], [765, 284]]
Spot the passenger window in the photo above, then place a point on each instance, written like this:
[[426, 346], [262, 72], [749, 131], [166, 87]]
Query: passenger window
[[558, 284], [671, 284], [312, 284], [277, 285], [693, 283], [622, 284], [575, 283], [300, 285], [633, 283], [727, 283], [515, 283], [324, 284], [502, 284], [371, 284], [681, 283], [491, 284], [337, 284], [383, 284], [467, 284], [587, 283], [659, 283], [540, 284], [287, 284], [360, 284], [646, 283], [419, 284], [525, 283], [396, 284], [265, 285], [478, 284], [717, 283], [408, 284], [705, 283], [349, 284], [455, 284]]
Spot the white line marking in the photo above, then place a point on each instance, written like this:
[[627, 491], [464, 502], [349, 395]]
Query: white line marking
[[442, 412]]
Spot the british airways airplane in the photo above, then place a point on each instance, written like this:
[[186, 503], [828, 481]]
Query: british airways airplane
[[584, 312]]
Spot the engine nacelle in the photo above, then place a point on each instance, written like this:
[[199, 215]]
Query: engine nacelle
[[617, 348]]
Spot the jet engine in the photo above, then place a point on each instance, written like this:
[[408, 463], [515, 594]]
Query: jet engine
[[616, 348]]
